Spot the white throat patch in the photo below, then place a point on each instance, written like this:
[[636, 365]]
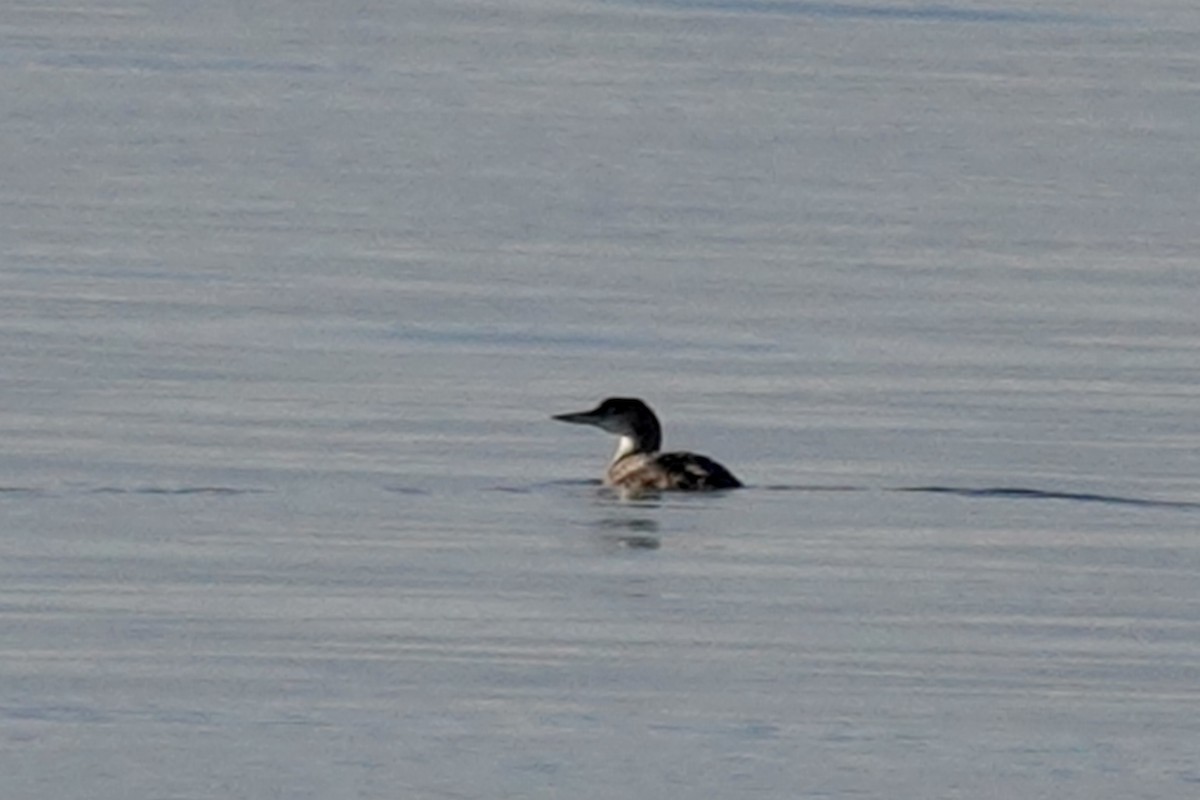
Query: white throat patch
[[625, 446]]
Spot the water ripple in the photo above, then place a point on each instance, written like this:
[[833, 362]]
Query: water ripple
[[1015, 492], [175, 490], [917, 13], [999, 492]]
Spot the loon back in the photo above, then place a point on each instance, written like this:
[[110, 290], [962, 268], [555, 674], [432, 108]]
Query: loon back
[[689, 472]]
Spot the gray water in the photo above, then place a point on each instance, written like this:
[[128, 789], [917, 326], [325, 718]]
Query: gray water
[[288, 293]]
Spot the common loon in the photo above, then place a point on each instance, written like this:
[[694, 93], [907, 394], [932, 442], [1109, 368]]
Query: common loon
[[637, 465]]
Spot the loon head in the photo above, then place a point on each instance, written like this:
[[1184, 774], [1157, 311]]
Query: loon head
[[627, 417]]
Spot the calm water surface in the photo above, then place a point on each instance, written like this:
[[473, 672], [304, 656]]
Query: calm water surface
[[288, 294]]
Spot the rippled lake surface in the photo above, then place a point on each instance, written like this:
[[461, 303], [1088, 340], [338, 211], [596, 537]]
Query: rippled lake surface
[[288, 294]]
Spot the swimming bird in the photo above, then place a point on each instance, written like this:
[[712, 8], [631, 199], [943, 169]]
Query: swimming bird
[[638, 465]]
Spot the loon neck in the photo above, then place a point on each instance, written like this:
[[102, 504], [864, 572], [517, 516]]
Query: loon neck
[[626, 446], [645, 436]]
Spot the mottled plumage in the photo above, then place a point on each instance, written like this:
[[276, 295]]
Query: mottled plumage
[[637, 465]]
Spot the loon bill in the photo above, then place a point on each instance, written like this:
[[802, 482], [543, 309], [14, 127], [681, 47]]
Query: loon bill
[[638, 465]]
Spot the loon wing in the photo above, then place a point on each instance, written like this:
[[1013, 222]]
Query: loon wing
[[691, 471]]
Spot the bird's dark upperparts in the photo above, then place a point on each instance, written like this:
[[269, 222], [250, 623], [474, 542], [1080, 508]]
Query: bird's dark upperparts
[[638, 465]]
